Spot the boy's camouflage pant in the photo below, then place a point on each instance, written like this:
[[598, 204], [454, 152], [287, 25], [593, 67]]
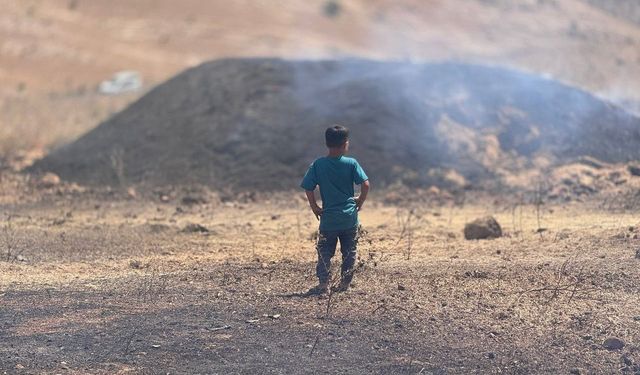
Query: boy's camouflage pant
[[327, 241]]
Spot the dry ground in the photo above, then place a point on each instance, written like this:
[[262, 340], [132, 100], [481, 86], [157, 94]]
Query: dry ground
[[100, 283]]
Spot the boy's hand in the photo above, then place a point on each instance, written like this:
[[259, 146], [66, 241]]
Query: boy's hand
[[316, 211], [359, 202], [364, 190]]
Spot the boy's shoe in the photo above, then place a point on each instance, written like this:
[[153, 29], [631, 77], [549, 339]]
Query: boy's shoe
[[319, 289], [342, 287]]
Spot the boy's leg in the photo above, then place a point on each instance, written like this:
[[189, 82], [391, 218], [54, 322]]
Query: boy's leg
[[326, 249], [348, 247]]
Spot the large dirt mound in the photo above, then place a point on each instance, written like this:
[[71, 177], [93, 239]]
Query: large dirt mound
[[248, 124]]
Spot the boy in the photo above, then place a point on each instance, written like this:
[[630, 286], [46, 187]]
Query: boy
[[336, 174]]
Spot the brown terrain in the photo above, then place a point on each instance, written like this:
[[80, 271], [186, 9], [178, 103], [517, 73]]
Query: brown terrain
[[54, 53], [150, 251]]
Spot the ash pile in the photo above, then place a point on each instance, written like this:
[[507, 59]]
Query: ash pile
[[256, 124]]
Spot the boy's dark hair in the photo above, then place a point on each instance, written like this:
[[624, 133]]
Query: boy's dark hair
[[336, 136]]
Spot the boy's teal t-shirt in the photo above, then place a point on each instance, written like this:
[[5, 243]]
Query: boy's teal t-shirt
[[335, 176]]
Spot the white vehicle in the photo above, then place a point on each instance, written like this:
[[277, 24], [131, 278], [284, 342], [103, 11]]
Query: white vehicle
[[121, 82]]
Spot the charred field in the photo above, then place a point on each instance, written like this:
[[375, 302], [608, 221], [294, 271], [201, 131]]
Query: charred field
[[97, 281]]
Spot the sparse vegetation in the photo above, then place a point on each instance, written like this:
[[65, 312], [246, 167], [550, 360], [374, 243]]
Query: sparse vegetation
[[127, 269], [9, 241]]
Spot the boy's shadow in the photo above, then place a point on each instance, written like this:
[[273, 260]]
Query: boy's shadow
[[309, 293]]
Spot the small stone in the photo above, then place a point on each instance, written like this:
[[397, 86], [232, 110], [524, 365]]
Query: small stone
[[191, 200], [575, 371], [634, 170], [195, 228], [613, 343], [135, 264], [483, 228], [491, 355], [49, 180], [131, 193], [401, 287]]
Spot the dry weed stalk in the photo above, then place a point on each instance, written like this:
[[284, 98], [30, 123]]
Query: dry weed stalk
[[406, 229], [152, 285], [117, 163], [9, 241], [569, 280], [517, 229], [539, 203]]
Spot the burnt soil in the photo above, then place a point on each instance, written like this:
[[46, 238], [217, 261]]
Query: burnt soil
[[102, 285]]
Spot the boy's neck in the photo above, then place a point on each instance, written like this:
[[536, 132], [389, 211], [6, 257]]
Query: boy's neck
[[334, 153]]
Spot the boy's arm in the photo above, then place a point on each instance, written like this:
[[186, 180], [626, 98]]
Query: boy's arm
[[364, 190], [311, 197]]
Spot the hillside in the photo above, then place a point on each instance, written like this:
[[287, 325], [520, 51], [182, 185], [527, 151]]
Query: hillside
[[54, 53]]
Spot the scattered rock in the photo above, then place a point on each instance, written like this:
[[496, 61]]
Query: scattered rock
[[332, 9], [491, 355], [591, 162], [613, 343], [634, 170], [575, 371], [477, 274], [49, 180], [135, 264], [59, 221], [483, 228], [401, 287], [638, 254], [195, 228], [433, 190], [191, 200], [131, 193]]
